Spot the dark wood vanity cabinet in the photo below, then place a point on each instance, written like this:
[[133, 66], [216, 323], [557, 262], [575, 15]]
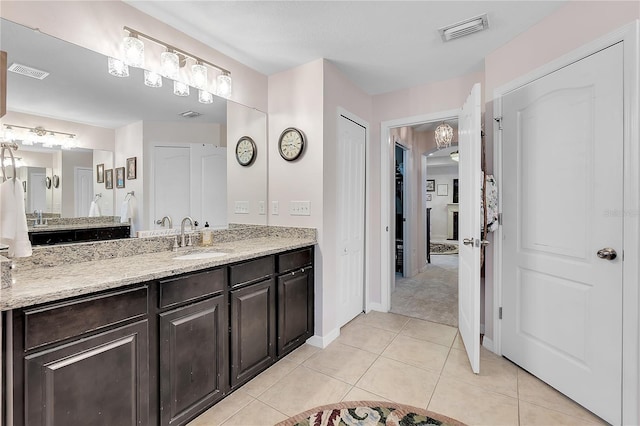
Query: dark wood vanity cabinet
[[193, 345], [253, 319], [295, 299], [83, 361]]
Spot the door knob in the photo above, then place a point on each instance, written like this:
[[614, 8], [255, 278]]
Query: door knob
[[607, 253], [468, 242], [484, 243]]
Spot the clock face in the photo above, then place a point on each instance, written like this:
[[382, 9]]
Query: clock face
[[291, 144], [245, 151]]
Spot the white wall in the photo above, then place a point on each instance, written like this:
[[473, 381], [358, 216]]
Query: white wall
[[439, 203], [106, 201], [129, 143]]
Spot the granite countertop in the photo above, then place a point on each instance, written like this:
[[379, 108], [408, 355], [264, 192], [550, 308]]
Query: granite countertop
[[65, 227], [46, 284]]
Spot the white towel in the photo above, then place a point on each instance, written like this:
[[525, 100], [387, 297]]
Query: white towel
[[94, 210], [13, 220], [127, 211]]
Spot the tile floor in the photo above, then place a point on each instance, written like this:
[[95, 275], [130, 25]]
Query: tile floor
[[385, 356]]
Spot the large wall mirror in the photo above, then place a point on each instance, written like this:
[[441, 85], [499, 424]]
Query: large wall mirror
[[178, 154]]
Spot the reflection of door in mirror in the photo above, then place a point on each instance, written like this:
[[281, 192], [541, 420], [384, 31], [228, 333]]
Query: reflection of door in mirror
[[36, 190], [83, 190], [190, 180]]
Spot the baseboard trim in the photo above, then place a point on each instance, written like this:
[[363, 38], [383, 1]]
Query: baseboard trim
[[488, 344], [376, 307], [323, 341]]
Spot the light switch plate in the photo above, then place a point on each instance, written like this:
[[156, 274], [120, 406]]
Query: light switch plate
[[275, 207], [300, 208], [261, 208], [242, 207]]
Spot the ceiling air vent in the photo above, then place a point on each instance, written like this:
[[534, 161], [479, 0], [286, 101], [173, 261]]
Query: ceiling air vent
[[464, 28], [28, 71], [190, 114]]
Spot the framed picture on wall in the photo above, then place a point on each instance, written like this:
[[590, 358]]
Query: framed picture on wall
[[443, 189], [431, 185], [131, 168], [100, 173], [108, 179], [120, 177]]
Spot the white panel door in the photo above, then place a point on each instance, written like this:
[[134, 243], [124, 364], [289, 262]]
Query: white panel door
[[209, 184], [469, 225], [562, 203], [37, 192], [171, 183], [83, 190], [350, 220]]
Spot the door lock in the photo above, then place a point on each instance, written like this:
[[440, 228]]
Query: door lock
[[468, 242], [607, 253]]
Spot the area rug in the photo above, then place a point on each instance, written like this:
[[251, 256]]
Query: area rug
[[443, 248], [368, 413]]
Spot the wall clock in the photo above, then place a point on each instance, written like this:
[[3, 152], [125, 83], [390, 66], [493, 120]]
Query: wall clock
[[291, 143], [246, 151]]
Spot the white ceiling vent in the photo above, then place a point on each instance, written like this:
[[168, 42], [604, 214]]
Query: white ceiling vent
[[28, 71], [464, 28], [190, 114]]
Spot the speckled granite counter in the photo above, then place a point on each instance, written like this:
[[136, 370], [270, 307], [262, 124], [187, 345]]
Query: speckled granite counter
[[37, 285]]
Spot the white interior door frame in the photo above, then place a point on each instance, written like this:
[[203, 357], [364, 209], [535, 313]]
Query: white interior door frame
[[387, 205], [628, 34]]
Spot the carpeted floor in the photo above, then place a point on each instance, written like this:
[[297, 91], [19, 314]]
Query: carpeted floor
[[368, 413], [431, 295]]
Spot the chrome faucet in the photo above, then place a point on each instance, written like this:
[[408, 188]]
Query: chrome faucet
[[187, 218], [38, 214], [165, 218]]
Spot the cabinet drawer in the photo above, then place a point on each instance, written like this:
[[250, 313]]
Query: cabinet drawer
[[252, 270], [190, 287], [295, 260], [57, 322]]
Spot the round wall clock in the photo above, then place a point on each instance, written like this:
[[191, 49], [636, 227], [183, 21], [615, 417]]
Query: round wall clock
[[291, 143], [246, 151]]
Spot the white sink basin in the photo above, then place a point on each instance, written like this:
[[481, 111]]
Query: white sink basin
[[201, 255]]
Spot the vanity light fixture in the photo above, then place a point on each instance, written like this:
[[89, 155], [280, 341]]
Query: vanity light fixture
[[444, 135], [455, 156], [171, 60], [48, 138]]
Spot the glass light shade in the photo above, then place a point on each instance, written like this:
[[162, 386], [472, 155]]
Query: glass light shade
[[170, 64], [224, 85], [118, 68], [133, 52], [199, 76], [9, 135], [444, 135], [70, 142], [455, 156], [180, 88], [27, 141], [152, 79], [205, 97]]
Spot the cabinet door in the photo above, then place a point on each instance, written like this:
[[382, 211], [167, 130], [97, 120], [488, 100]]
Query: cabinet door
[[295, 309], [253, 337], [193, 359], [101, 380]]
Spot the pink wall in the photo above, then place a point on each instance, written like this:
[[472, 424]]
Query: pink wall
[[97, 25]]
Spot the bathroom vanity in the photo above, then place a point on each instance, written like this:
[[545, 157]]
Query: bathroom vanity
[[152, 339]]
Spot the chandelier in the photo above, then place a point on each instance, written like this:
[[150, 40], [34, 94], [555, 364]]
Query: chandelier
[[444, 135], [171, 60]]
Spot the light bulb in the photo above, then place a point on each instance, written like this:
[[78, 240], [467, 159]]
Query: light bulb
[[118, 68], [224, 85], [152, 79], [9, 134], [199, 76], [180, 88], [133, 51], [205, 97], [170, 64]]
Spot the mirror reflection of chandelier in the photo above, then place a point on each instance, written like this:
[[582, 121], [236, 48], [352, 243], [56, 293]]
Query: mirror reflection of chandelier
[[444, 135]]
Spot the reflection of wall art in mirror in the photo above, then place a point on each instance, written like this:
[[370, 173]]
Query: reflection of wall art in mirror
[[131, 168], [120, 177], [108, 179], [24, 185], [428, 197], [56, 181], [47, 182], [443, 189], [431, 185], [100, 173]]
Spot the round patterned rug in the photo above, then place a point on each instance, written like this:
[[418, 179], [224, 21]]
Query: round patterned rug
[[368, 413], [443, 248]]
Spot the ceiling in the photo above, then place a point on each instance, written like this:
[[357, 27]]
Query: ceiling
[[381, 46]]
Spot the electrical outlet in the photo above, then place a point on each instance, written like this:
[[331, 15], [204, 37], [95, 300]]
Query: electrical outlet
[[300, 208], [261, 208], [242, 207], [275, 207]]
